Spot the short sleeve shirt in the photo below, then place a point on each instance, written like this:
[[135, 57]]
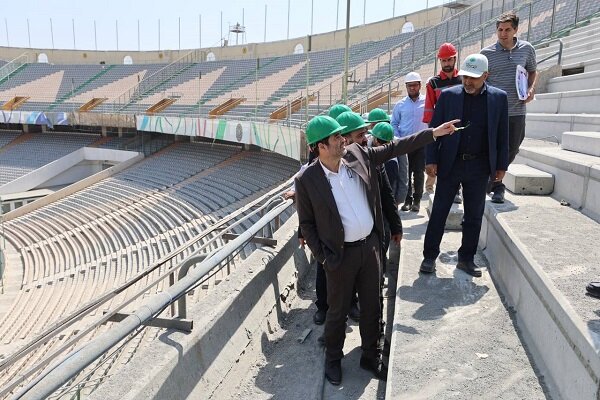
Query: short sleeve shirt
[[502, 67]]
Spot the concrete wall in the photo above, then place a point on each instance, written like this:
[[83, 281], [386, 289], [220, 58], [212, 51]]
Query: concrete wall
[[559, 341], [74, 174], [41, 176], [324, 41], [78, 185], [226, 324]]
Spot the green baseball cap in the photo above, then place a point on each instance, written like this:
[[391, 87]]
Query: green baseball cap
[[337, 109], [383, 131], [378, 115], [321, 127], [352, 121]]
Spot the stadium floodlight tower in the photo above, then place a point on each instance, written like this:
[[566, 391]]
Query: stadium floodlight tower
[[237, 29]]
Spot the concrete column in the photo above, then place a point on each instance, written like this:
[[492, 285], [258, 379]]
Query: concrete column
[[104, 131]]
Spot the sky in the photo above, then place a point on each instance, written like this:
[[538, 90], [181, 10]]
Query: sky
[[180, 21]]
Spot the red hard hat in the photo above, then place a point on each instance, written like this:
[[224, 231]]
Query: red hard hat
[[447, 50]]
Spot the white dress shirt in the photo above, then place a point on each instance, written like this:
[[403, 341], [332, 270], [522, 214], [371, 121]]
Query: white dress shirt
[[350, 196]]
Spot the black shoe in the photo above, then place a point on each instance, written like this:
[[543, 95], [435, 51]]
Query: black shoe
[[470, 268], [593, 289], [319, 317], [498, 197], [427, 266], [406, 206], [354, 313], [376, 366], [416, 206], [333, 371]]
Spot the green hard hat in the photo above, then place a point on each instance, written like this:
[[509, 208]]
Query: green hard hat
[[378, 115], [352, 121], [321, 127], [383, 131], [337, 109]]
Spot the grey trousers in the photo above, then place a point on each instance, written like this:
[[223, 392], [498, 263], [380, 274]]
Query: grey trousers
[[402, 187]]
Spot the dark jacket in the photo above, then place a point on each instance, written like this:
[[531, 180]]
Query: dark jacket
[[318, 216], [444, 151]]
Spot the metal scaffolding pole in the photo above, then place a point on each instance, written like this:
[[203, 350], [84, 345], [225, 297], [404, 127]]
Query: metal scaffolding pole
[[346, 55]]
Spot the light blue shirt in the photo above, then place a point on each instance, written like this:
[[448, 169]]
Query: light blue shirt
[[407, 117]]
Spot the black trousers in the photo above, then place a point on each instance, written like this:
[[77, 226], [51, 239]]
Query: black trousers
[[473, 176], [360, 269], [416, 175], [516, 135], [321, 289]]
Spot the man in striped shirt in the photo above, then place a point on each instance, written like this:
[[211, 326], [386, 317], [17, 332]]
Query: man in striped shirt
[[503, 57]]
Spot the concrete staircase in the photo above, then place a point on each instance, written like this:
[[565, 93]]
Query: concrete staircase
[[542, 250]]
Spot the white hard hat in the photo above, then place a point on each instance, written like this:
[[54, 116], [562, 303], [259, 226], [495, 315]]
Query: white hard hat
[[474, 66], [412, 77]]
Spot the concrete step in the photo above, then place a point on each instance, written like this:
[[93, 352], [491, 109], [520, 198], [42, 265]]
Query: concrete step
[[455, 216], [592, 25], [588, 65], [582, 142], [523, 179], [583, 81], [572, 102], [542, 255], [573, 48], [541, 125], [574, 39], [576, 175]]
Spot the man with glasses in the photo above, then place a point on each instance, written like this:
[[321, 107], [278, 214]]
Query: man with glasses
[[407, 118]]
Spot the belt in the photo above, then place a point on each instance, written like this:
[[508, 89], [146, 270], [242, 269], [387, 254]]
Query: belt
[[469, 157], [358, 242]]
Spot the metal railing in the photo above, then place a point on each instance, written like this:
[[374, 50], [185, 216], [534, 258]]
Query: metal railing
[[208, 236], [150, 83], [11, 67]]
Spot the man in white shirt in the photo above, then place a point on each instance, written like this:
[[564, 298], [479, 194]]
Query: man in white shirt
[[339, 211]]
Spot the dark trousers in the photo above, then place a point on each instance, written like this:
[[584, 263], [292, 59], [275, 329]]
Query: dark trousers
[[516, 134], [321, 288], [416, 176], [473, 176], [360, 269]]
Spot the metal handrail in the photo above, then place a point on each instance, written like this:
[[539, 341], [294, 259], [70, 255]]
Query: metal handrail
[[128, 94], [54, 377], [11, 66], [64, 323], [558, 53]]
